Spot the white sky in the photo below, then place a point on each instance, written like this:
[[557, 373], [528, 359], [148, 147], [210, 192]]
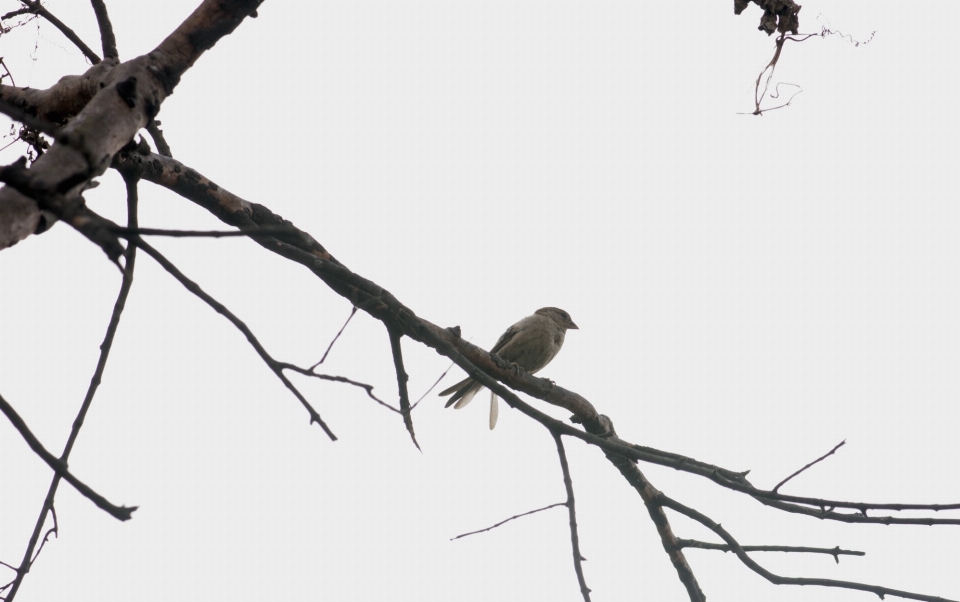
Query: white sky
[[750, 291]]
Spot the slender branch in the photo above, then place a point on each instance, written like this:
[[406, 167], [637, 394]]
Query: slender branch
[[129, 264], [297, 245], [118, 512], [836, 552], [492, 527], [820, 459], [36, 7], [107, 39], [572, 510], [778, 579], [353, 312], [339, 379], [402, 379], [274, 365]]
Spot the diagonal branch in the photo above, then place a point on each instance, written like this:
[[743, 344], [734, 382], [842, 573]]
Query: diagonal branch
[[778, 579], [128, 96], [36, 7], [820, 459], [572, 511], [118, 512], [503, 522], [402, 379], [297, 245], [107, 39], [129, 264], [221, 309]]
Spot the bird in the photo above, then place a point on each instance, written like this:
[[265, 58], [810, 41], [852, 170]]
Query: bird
[[531, 344]]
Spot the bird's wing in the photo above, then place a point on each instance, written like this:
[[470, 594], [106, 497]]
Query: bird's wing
[[507, 336]]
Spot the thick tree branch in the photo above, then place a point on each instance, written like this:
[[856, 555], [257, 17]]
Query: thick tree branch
[[130, 96]]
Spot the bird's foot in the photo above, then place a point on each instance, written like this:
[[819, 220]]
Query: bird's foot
[[547, 385]]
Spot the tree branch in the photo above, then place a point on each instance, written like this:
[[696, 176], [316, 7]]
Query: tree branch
[[780, 580], [107, 39], [129, 264], [37, 8], [820, 459], [492, 527], [572, 511], [119, 512], [402, 379], [836, 552], [130, 96]]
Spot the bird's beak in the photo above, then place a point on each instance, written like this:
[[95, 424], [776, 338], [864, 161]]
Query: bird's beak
[[572, 326]]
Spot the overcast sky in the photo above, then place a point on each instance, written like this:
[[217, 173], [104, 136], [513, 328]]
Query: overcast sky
[[750, 292]]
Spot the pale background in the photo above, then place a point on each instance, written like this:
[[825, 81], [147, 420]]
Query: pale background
[[750, 291]]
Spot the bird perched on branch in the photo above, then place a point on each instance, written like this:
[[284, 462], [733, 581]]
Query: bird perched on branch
[[530, 344]]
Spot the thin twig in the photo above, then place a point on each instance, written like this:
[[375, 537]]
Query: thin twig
[[778, 579], [221, 309], [353, 311], [29, 557], [820, 459], [492, 527], [118, 512], [339, 379], [836, 552], [71, 35], [402, 379], [572, 510], [107, 39]]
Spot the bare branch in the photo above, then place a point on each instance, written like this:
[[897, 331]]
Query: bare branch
[[402, 379], [780, 580], [820, 459], [129, 264], [353, 312], [129, 95], [118, 512], [107, 39], [153, 127], [339, 379], [302, 248], [274, 365], [37, 8], [836, 552], [492, 527], [572, 510]]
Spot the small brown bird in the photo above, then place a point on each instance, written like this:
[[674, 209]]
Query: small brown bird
[[530, 344]]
